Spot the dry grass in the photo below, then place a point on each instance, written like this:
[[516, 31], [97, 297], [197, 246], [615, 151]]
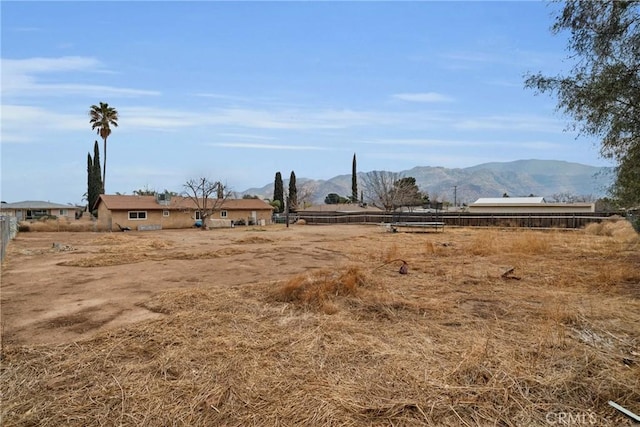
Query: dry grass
[[319, 289], [620, 229], [58, 224], [452, 343], [125, 248]]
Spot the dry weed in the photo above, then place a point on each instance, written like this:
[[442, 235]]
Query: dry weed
[[619, 229], [317, 289], [254, 240], [58, 225]]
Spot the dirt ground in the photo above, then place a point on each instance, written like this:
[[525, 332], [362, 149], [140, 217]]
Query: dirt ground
[[110, 274], [314, 325]]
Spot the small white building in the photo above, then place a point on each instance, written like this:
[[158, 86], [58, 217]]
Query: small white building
[[527, 205]]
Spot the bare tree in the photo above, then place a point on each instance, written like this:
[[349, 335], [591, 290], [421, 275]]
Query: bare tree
[[306, 191], [207, 195], [379, 189], [572, 198], [389, 190]]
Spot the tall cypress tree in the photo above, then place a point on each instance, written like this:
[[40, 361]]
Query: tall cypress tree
[[99, 184], [293, 193], [354, 181], [278, 191], [90, 192], [94, 179]]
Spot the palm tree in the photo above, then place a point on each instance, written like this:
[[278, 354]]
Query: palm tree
[[102, 118]]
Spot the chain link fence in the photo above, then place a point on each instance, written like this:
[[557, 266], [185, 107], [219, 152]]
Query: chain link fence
[[8, 230]]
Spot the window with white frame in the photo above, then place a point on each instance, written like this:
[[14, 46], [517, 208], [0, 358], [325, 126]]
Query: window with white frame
[[165, 213], [198, 216], [137, 215], [223, 214], [63, 212]]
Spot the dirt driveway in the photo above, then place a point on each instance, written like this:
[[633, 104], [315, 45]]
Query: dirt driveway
[[59, 287]]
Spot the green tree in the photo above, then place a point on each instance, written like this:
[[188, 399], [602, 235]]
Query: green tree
[[293, 193], [354, 181], [276, 205], [146, 191], [94, 181], [407, 192], [278, 191], [102, 119], [627, 188], [90, 194], [602, 91], [334, 199]]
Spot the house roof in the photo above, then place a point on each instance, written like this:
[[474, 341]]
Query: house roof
[[348, 207], [508, 201], [35, 204], [120, 202]]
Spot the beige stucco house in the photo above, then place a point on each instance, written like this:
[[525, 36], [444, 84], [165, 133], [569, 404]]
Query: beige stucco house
[[163, 211], [529, 205]]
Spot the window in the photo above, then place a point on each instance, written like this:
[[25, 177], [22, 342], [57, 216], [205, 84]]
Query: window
[[198, 216], [63, 212], [223, 214], [165, 213], [137, 215], [36, 213]]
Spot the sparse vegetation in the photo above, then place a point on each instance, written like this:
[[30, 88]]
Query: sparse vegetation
[[454, 342]]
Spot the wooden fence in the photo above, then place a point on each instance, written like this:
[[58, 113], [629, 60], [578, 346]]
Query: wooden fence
[[460, 219]]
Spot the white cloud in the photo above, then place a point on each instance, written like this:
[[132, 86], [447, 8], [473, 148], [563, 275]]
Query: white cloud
[[417, 142], [246, 136], [423, 97], [267, 146], [284, 119], [18, 123], [511, 123], [20, 77], [465, 143], [139, 118], [50, 65], [507, 57]]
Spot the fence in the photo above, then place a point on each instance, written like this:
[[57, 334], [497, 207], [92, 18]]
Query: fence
[[8, 230], [462, 219]]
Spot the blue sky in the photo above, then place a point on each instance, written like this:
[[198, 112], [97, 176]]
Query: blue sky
[[237, 91]]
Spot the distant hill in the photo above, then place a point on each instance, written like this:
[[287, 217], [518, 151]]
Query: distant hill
[[518, 178]]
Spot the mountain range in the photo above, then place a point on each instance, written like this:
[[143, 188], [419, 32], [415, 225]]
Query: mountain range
[[547, 178]]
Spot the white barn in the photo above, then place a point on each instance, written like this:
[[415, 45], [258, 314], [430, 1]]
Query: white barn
[[528, 205]]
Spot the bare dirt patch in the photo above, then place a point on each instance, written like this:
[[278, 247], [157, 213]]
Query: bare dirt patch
[[313, 325]]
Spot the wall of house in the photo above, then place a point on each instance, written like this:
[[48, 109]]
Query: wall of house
[[177, 219], [246, 216], [108, 220], [21, 214]]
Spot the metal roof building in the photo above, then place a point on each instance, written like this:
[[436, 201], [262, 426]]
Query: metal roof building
[[527, 205]]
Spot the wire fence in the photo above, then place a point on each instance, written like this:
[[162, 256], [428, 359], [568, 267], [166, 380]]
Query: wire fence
[[461, 219], [8, 230]]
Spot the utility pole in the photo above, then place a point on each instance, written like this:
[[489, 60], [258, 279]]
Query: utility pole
[[286, 210], [455, 196]]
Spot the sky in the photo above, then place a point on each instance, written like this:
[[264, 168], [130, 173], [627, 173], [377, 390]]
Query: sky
[[237, 91]]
